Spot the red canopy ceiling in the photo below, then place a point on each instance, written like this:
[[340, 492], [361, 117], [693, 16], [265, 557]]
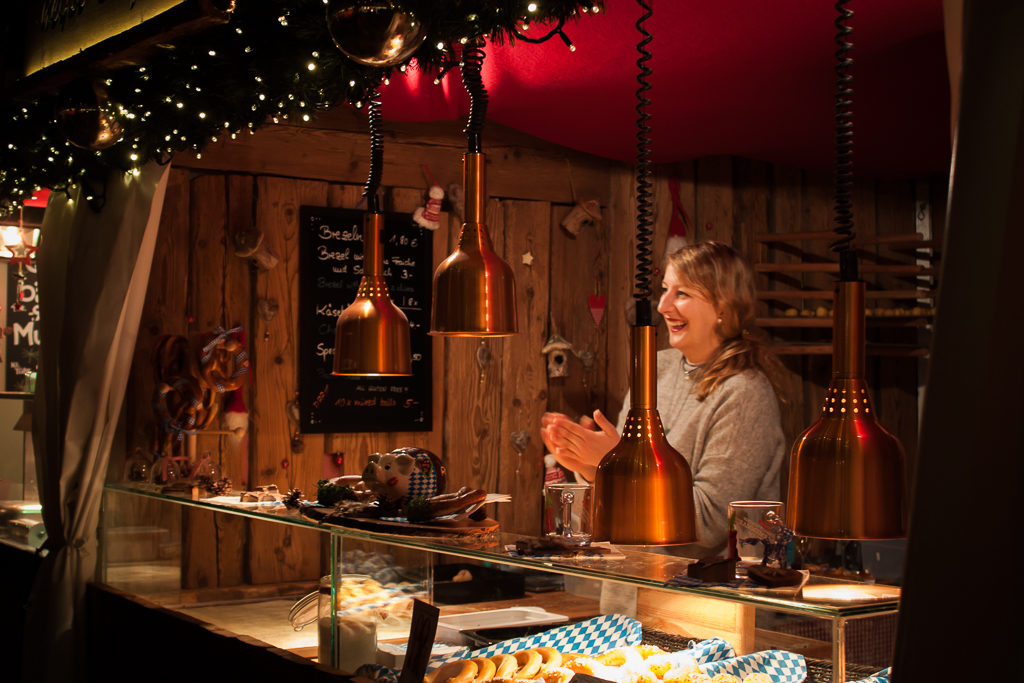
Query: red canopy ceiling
[[752, 79]]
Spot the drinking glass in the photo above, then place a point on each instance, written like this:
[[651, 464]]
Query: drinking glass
[[756, 523], [567, 509]]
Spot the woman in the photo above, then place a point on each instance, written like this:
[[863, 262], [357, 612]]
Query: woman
[[716, 393]]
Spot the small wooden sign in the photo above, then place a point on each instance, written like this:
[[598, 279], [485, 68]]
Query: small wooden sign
[[421, 641], [330, 268]]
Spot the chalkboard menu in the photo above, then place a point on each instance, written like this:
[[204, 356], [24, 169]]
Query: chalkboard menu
[[22, 330], [330, 268]]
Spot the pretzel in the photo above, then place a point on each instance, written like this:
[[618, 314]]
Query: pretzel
[[530, 662], [485, 669], [550, 658], [449, 504], [558, 674], [176, 405], [505, 666], [461, 671], [224, 362], [171, 358], [621, 656]]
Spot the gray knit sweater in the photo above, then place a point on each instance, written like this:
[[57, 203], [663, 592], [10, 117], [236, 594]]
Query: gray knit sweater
[[732, 440]]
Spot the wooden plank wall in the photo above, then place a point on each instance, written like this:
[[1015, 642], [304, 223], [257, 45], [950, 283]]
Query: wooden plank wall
[[484, 391]]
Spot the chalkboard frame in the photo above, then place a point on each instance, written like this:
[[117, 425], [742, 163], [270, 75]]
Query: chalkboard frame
[[330, 240]]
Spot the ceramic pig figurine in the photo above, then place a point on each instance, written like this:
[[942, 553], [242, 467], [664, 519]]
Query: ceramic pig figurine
[[404, 474]]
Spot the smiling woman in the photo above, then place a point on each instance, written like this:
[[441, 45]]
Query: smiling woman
[[716, 392]]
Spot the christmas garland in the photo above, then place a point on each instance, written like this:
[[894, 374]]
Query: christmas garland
[[271, 61]]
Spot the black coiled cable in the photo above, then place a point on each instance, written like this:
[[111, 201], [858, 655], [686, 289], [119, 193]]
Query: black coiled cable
[[644, 205], [472, 61], [843, 203], [370, 189]]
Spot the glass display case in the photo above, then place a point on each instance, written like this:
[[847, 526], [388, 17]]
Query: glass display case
[[365, 582]]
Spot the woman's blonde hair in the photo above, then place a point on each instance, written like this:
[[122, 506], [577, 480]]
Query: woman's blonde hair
[[719, 274]]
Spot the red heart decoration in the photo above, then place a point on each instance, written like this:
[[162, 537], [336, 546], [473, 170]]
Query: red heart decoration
[[597, 304]]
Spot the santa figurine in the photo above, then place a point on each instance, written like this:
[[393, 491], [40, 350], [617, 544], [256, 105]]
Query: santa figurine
[[427, 216]]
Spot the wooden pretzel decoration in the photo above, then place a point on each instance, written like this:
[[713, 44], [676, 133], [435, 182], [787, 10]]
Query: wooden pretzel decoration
[[224, 362], [189, 382], [178, 405], [172, 358]]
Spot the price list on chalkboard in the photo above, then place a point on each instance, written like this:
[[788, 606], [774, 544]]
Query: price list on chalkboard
[[22, 330], [330, 268]]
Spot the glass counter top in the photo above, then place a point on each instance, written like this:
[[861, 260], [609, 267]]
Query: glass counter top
[[638, 566]]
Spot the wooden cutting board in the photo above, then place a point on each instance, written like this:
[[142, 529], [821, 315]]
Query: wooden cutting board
[[461, 525]]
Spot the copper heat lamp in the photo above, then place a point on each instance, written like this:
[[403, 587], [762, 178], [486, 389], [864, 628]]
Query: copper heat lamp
[[644, 487], [846, 472], [372, 335], [474, 292]]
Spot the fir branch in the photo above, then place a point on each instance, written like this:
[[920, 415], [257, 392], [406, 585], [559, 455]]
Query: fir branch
[[273, 60]]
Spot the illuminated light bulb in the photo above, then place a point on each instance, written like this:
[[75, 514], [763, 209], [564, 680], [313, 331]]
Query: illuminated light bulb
[[213, 53], [311, 66], [532, 7], [440, 46], [202, 114]]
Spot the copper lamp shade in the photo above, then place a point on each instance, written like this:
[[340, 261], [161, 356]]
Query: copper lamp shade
[[474, 291], [644, 487], [846, 472], [372, 334]]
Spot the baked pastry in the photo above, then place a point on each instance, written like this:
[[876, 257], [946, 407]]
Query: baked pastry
[[461, 671], [774, 577], [713, 569], [554, 546]]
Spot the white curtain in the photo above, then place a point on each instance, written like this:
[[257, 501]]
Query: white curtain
[[93, 272]]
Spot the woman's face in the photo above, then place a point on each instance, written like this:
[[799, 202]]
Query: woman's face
[[692, 320]]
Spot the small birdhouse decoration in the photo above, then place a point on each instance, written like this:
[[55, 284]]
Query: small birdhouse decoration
[[557, 351], [584, 213]]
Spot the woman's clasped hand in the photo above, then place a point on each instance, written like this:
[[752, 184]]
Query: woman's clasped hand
[[578, 446]]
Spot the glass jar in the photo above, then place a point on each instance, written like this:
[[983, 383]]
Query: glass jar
[[347, 624]]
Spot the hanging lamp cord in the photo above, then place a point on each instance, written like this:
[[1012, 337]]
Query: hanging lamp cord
[[372, 186], [843, 202], [472, 61], [644, 204]]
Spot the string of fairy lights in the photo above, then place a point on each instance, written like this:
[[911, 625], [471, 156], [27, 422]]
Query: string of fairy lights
[[273, 61]]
